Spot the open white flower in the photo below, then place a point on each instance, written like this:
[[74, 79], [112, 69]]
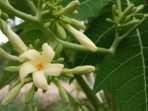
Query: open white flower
[[39, 65]]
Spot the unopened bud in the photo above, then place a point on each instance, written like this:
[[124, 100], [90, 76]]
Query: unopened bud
[[83, 69], [30, 94], [4, 16], [135, 21], [12, 68], [59, 60], [72, 6], [59, 49], [62, 91], [12, 94], [126, 12], [77, 24], [60, 31], [79, 70], [145, 15], [83, 39], [139, 8], [114, 8], [16, 41], [3, 26]]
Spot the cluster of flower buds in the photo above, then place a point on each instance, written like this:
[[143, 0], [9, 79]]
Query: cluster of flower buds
[[129, 16], [61, 24]]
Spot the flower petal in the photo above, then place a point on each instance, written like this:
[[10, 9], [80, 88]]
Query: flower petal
[[82, 38], [32, 55], [47, 54], [25, 69], [39, 80], [53, 69]]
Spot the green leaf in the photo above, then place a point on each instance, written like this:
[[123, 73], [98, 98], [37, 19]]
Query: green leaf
[[126, 74], [91, 8]]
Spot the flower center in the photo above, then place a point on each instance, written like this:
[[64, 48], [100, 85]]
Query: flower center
[[40, 66]]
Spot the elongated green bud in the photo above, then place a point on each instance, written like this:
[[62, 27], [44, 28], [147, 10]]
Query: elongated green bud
[[126, 12], [135, 21], [12, 68], [83, 69], [16, 41], [77, 24], [74, 22], [4, 16], [30, 94], [82, 38], [60, 31], [79, 70], [59, 49], [59, 60], [12, 94], [68, 75], [139, 8], [62, 91], [72, 6], [3, 26], [145, 15]]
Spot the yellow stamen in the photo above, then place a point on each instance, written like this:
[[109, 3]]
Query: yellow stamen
[[39, 66]]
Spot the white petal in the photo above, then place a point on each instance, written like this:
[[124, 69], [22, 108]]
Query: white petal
[[39, 80], [32, 55], [25, 69], [47, 54], [83, 39], [54, 69]]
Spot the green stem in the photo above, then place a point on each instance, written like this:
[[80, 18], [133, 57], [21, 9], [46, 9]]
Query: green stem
[[119, 38], [9, 9], [32, 7], [88, 91]]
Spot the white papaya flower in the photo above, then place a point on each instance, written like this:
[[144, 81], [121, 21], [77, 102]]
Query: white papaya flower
[[39, 64], [82, 38]]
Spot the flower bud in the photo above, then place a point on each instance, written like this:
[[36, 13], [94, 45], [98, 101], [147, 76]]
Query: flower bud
[[3, 26], [16, 41], [60, 31], [139, 8], [12, 94], [30, 94], [12, 68], [135, 21], [58, 49], [74, 23], [126, 12], [77, 24], [79, 70], [83, 39], [83, 69], [62, 91], [72, 6], [4, 16]]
